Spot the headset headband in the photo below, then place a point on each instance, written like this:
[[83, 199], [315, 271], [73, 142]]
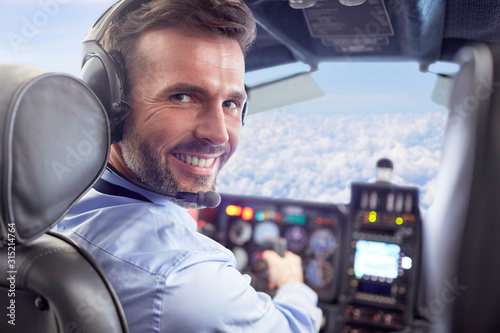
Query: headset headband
[[103, 71], [113, 14]]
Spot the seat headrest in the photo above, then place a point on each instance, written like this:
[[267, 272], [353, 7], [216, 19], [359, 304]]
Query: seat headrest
[[54, 141]]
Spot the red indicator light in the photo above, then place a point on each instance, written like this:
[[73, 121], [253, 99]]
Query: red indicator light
[[319, 220], [232, 210], [277, 217], [201, 224], [247, 213]]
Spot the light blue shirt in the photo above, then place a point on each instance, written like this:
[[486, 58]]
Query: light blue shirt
[[170, 278]]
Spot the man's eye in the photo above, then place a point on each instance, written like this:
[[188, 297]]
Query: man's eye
[[181, 98], [230, 104]]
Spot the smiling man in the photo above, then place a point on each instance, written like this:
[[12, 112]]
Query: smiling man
[[186, 114], [184, 62]]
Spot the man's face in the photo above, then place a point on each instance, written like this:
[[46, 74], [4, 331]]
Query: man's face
[[186, 104]]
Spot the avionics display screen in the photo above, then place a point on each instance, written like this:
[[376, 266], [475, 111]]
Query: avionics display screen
[[376, 259]]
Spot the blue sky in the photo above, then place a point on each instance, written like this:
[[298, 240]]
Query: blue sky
[[307, 151], [47, 33]]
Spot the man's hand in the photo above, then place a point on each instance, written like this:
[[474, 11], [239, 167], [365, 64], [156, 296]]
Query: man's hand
[[283, 269]]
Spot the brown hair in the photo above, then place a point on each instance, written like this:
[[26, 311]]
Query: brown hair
[[225, 18]]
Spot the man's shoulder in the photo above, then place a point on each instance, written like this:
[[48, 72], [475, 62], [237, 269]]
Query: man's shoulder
[[137, 233]]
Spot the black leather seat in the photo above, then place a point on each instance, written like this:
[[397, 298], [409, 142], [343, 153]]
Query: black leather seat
[[54, 141], [463, 228]]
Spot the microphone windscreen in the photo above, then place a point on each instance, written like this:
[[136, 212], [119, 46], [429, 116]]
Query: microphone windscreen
[[209, 199]]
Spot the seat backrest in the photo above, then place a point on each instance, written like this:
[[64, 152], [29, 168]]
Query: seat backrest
[[54, 145], [463, 229]]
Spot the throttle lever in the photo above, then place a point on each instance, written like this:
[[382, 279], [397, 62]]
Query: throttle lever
[[280, 246]]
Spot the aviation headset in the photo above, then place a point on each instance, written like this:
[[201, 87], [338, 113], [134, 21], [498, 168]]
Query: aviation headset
[[104, 72]]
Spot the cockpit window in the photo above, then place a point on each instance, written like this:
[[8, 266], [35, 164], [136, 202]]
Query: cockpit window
[[313, 150]]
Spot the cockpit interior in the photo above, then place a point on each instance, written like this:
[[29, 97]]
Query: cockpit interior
[[378, 261]]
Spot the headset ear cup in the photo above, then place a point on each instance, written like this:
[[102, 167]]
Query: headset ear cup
[[101, 74], [105, 72], [119, 116], [119, 62]]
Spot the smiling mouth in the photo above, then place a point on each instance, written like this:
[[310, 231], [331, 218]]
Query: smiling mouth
[[195, 161]]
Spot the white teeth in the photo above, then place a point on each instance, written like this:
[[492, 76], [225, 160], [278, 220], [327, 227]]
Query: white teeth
[[193, 160]]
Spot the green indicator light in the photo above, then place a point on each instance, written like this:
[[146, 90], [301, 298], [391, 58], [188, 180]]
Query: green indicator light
[[358, 274], [399, 221], [296, 219], [372, 217]]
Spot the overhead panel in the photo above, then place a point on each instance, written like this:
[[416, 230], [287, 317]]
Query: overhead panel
[[373, 30]]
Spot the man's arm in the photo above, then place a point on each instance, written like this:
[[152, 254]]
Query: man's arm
[[207, 294]]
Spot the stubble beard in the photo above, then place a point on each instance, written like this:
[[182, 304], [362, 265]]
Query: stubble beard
[[154, 170]]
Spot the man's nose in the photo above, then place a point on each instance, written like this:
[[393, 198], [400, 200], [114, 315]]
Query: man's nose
[[212, 127]]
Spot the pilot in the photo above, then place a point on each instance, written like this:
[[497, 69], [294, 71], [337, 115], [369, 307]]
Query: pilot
[[184, 68]]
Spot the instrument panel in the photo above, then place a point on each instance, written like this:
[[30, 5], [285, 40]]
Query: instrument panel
[[383, 244], [249, 225], [362, 259]]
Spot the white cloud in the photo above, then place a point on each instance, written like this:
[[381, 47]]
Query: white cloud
[[316, 157]]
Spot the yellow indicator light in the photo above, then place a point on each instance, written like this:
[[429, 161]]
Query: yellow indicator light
[[399, 221], [372, 217], [232, 210]]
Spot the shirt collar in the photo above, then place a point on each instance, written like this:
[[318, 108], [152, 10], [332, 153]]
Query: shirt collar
[[153, 197]]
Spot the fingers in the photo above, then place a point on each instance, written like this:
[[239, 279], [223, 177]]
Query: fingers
[[283, 269], [269, 255]]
